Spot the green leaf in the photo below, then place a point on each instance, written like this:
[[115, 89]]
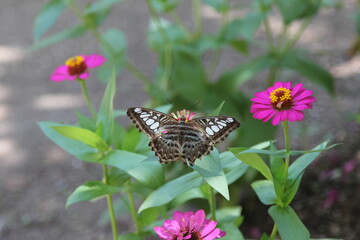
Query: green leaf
[[118, 177], [148, 216], [277, 167], [253, 160], [47, 17], [264, 189], [85, 122], [301, 163], [245, 27], [297, 9], [82, 135], [217, 111], [171, 190], [89, 191], [78, 149], [232, 232], [163, 32], [164, 5], [310, 70], [231, 80], [228, 214], [195, 193], [106, 111], [219, 5], [130, 140], [210, 169], [233, 168], [72, 32], [150, 174], [288, 223], [187, 70], [291, 189], [164, 108], [101, 5]]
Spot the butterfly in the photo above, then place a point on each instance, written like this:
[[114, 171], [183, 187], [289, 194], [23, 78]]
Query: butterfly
[[180, 136]]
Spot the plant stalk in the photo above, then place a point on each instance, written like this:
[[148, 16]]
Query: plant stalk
[[212, 202], [273, 232], [133, 212], [86, 97], [110, 205], [196, 5], [287, 148]]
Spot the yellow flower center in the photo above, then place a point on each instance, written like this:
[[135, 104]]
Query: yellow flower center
[[281, 98], [76, 65]]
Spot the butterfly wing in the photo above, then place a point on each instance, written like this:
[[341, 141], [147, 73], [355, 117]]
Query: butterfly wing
[[160, 129], [149, 121], [214, 130], [172, 140]]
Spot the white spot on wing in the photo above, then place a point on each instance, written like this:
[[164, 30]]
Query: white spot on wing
[[209, 131], [215, 128], [154, 126], [138, 110], [144, 115], [150, 121], [222, 123], [230, 119]]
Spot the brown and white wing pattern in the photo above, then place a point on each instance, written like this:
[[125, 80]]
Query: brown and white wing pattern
[[175, 139], [216, 129], [148, 121], [159, 128]]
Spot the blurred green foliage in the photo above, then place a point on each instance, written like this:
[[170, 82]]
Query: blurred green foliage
[[182, 75]]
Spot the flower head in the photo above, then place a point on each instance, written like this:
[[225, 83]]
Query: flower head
[[183, 115], [282, 102], [77, 67], [189, 225]]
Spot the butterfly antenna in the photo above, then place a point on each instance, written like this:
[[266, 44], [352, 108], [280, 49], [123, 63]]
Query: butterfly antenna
[[169, 101], [193, 106]]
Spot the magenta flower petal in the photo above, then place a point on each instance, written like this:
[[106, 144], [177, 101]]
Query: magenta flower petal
[[60, 74], [77, 67], [94, 60], [282, 102], [189, 225], [84, 75], [212, 235]]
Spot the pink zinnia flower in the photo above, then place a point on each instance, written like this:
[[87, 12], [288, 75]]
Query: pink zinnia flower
[[77, 67], [282, 102], [189, 225]]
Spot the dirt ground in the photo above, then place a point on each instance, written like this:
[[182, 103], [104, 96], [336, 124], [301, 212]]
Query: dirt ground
[[36, 176]]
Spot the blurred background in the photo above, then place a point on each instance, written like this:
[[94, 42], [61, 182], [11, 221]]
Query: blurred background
[[36, 176]]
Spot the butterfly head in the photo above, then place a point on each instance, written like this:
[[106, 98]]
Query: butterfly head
[[183, 115]]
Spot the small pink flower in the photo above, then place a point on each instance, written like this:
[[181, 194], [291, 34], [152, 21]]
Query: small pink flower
[[77, 67], [189, 225], [282, 102]]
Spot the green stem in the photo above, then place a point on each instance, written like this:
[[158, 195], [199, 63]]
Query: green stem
[[86, 97], [197, 16], [289, 45], [214, 62], [110, 206], [212, 202], [287, 148], [133, 212], [268, 31], [273, 232], [273, 75]]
